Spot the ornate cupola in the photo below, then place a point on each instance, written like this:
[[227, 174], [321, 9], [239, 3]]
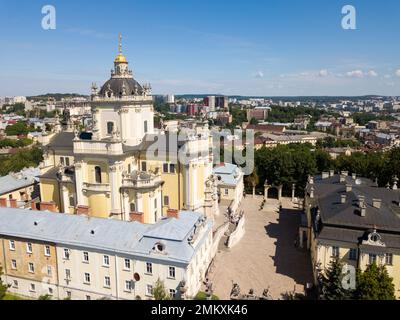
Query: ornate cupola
[[121, 84], [121, 64], [122, 109]]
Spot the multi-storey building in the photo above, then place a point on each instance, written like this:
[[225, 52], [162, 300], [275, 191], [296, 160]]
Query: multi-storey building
[[77, 257], [352, 219], [123, 168]]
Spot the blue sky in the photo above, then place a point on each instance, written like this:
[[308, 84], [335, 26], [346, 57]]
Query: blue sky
[[235, 47]]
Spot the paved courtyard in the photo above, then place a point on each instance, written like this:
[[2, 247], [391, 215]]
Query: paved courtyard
[[266, 255]]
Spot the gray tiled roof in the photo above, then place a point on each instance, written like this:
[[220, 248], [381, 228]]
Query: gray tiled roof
[[63, 140], [333, 212]]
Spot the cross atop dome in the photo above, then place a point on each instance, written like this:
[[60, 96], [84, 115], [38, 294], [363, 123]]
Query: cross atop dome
[[120, 57]]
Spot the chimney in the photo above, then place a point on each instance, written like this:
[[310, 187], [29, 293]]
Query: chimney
[[376, 203], [363, 210], [34, 206], [342, 178], [3, 202], [325, 175], [345, 173], [13, 203], [48, 206], [349, 188], [137, 217], [331, 173], [343, 198], [82, 210], [354, 176], [361, 201], [171, 213]]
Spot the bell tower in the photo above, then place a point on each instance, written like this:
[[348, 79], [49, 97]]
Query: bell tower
[[122, 108]]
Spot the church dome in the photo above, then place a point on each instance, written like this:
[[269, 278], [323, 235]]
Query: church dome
[[120, 59], [121, 86]]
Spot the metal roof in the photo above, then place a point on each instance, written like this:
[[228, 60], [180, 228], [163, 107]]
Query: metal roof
[[130, 238], [15, 181], [328, 192]]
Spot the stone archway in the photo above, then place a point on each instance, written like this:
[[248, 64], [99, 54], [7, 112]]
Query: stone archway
[[273, 193], [270, 190]]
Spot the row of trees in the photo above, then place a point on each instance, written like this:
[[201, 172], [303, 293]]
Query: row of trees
[[292, 164], [362, 118], [20, 160], [285, 114], [19, 128], [331, 142], [10, 143], [18, 108]]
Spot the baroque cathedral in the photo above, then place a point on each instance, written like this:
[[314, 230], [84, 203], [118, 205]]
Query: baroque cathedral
[[114, 171]]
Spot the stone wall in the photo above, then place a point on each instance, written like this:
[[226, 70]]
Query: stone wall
[[237, 235]]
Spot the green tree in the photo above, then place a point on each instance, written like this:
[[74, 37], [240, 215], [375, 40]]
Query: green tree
[[3, 286], [17, 129], [330, 282], [323, 160], [374, 284], [253, 121], [203, 296], [20, 160], [159, 291], [45, 297], [253, 180]]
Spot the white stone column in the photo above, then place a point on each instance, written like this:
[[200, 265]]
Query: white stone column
[[80, 197], [65, 200], [293, 192], [124, 112], [139, 202], [187, 186], [115, 188], [126, 206], [194, 182], [96, 125]]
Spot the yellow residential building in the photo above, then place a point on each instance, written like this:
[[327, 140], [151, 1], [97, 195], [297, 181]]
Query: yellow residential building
[[29, 266], [351, 219]]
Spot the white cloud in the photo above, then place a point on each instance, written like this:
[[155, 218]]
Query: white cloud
[[259, 74], [355, 74], [387, 76], [398, 72], [323, 73], [372, 73]]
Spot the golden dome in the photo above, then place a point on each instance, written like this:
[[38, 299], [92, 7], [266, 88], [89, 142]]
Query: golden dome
[[120, 58]]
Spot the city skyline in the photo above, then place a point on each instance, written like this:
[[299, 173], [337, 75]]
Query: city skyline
[[262, 49]]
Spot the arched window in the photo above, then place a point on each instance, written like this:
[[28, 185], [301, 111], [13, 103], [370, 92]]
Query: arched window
[[97, 171], [110, 127], [133, 207]]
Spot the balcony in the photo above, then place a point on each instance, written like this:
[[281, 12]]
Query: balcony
[[96, 187], [98, 147], [141, 180]]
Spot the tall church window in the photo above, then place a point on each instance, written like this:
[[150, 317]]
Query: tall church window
[[97, 171], [133, 207], [145, 127], [110, 127]]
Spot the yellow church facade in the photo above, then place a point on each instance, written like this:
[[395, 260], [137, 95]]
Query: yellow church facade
[[124, 168]]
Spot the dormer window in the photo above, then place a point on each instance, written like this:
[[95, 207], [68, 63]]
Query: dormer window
[[159, 247]]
